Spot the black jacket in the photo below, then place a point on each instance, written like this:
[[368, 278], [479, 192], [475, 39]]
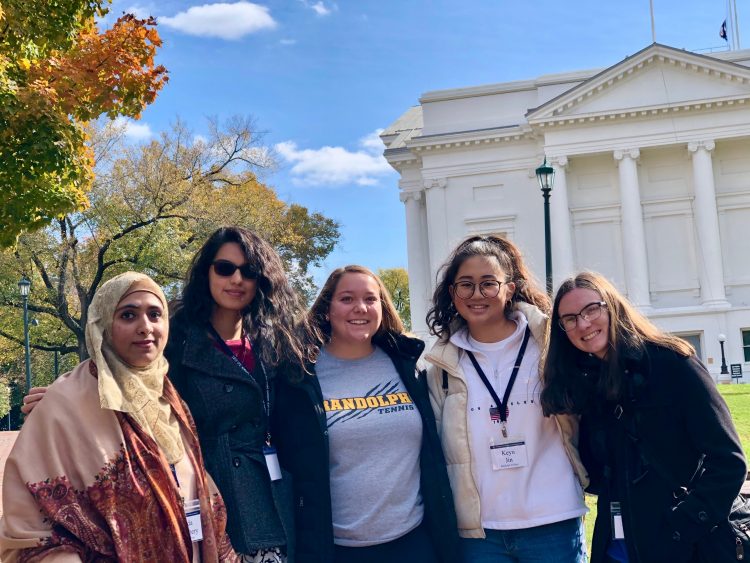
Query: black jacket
[[228, 412], [640, 449], [302, 436]]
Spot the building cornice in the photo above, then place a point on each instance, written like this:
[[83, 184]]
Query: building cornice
[[644, 112], [555, 109], [470, 138]]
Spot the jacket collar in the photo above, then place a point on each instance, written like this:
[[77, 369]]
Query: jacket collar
[[407, 347], [200, 354]]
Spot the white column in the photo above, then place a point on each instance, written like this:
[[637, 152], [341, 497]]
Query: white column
[[707, 225], [437, 225], [633, 236], [563, 265], [419, 287]]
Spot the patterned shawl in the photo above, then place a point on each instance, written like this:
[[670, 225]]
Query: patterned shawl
[[85, 483]]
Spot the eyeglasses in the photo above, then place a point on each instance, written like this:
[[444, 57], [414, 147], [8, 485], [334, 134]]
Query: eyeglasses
[[488, 288], [590, 312], [226, 269]]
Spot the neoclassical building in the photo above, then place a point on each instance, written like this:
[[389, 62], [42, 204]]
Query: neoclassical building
[[652, 184]]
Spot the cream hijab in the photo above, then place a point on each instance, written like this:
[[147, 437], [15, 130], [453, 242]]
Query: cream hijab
[[125, 388]]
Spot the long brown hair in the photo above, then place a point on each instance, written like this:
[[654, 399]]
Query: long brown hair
[[318, 314], [443, 313], [629, 332]]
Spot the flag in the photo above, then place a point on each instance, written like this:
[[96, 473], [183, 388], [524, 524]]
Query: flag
[[723, 31]]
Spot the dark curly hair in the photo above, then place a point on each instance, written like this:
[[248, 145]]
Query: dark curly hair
[[274, 320], [443, 313]]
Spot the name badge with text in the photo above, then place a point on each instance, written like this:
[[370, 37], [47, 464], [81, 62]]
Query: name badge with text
[[618, 533], [193, 513], [508, 453]]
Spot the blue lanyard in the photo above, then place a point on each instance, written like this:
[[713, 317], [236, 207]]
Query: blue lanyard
[[502, 405]]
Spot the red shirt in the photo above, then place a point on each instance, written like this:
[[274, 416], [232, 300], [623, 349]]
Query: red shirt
[[244, 352]]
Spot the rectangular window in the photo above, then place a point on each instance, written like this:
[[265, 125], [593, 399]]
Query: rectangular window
[[694, 339], [746, 343]]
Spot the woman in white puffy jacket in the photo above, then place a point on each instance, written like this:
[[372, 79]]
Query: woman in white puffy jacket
[[516, 476]]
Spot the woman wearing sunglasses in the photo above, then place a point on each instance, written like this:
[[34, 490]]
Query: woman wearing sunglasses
[[656, 436], [233, 335]]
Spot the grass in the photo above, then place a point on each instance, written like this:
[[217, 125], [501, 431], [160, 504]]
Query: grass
[[738, 400]]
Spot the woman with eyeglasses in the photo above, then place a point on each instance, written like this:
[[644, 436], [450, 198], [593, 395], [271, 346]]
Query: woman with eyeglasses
[[516, 476], [656, 436]]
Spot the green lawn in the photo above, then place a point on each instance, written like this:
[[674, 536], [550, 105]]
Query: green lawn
[[738, 399]]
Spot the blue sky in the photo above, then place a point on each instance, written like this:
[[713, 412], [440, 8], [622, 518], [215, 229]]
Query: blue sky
[[321, 77]]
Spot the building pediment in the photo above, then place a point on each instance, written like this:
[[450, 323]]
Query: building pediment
[[655, 80]]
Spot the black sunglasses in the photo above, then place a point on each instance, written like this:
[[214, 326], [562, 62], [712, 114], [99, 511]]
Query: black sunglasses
[[226, 269]]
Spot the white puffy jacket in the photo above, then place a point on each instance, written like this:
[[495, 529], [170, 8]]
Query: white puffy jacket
[[450, 408]]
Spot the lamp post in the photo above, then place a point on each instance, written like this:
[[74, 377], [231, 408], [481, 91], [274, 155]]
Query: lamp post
[[722, 340], [23, 287], [546, 176]]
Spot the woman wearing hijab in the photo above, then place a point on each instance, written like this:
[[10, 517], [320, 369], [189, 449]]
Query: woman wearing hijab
[[111, 469]]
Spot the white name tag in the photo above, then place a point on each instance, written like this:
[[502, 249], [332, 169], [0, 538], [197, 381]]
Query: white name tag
[[272, 462], [618, 533], [508, 453], [193, 513]]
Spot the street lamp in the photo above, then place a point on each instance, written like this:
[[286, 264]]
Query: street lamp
[[722, 340], [546, 176], [23, 287]]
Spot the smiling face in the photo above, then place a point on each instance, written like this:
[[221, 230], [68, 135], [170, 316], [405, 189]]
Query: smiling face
[[234, 292], [139, 329], [590, 336], [485, 316], [355, 312]]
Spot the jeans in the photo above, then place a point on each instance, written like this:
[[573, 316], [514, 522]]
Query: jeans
[[559, 542]]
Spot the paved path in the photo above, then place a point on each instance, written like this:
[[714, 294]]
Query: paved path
[[7, 440]]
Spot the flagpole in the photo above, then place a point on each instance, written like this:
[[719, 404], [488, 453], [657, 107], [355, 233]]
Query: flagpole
[[653, 25], [736, 22]]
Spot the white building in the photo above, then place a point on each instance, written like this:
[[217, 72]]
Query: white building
[[652, 184]]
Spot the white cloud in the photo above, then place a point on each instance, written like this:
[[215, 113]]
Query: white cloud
[[288, 41], [226, 21], [318, 7], [139, 11], [337, 165], [134, 130]]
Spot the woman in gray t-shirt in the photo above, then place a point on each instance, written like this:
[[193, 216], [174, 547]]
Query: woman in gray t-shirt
[[379, 490]]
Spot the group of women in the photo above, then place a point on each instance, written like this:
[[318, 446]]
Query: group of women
[[330, 444]]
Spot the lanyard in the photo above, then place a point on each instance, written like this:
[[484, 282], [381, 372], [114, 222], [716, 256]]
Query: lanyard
[[266, 400], [503, 405], [174, 474]]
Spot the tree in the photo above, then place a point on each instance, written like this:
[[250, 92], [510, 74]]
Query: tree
[[396, 281], [58, 71], [152, 206]]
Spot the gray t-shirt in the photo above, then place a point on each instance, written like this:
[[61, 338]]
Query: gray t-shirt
[[375, 435]]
